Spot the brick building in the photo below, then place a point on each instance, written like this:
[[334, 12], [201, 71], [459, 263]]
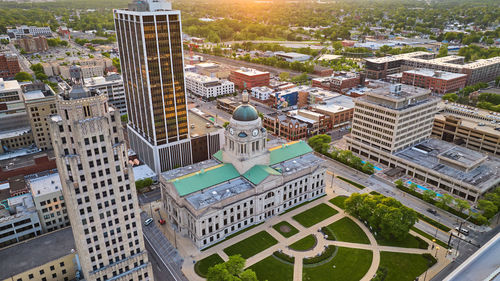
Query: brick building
[[33, 44], [437, 81], [246, 78], [338, 82], [9, 65]]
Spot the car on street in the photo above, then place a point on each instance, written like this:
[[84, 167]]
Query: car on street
[[462, 230], [432, 211], [148, 221]]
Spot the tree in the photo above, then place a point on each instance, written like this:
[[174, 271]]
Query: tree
[[4, 41], [443, 51], [124, 118], [413, 186], [461, 204], [23, 76], [489, 209], [368, 168], [225, 124], [399, 184], [37, 68], [450, 97], [147, 182], [428, 195], [320, 143], [41, 76], [231, 270], [445, 200], [284, 76]]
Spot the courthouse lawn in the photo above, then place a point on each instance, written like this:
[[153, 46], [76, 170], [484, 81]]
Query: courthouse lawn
[[314, 215], [252, 245]]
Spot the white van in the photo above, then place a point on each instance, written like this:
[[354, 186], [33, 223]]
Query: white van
[[464, 231]]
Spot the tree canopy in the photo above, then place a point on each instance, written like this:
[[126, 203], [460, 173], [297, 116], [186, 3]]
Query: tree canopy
[[231, 270]]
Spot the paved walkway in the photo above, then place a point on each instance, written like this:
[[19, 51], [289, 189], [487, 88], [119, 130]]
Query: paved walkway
[[283, 242]]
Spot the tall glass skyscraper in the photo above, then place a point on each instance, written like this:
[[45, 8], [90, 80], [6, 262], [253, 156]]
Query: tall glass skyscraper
[[150, 41]]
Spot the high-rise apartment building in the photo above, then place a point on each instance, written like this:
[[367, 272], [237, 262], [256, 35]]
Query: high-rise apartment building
[[98, 187], [150, 43]]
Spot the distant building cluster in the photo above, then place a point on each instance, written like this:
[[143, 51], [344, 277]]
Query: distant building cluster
[[19, 32], [88, 68], [482, 70]]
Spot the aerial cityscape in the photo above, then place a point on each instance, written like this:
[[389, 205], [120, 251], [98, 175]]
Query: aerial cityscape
[[249, 140]]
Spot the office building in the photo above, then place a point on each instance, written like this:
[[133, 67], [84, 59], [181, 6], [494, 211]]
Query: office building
[[440, 82], [40, 103], [23, 30], [98, 187], [86, 68], [47, 257], [246, 182], [32, 44], [247, 78], [297, 124], [19, 221], [150, 43], [111, 85], [392, 126], [483, 70], [393, 118], [46, 190], [208, 87], [9, 65]]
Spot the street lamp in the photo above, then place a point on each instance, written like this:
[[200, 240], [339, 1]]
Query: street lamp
[[437, 248]]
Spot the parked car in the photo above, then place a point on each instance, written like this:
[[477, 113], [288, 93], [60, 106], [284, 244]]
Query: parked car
[[148, 221], [462, 230]]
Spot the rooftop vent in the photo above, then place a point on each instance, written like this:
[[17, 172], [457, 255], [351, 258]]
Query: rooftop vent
[[396, 88]]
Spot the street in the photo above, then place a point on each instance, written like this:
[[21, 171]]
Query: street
[[151, 196], [166, 260]]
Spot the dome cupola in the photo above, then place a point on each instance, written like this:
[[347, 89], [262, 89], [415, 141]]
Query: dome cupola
[[245, 112]]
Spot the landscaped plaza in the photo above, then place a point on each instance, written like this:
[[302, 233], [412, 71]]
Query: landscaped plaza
[[319, 241]]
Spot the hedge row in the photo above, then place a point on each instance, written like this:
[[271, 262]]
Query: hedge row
[[285, 257], [327, 253], [360, 186]]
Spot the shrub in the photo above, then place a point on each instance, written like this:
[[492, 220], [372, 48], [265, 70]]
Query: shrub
[[283, 256]]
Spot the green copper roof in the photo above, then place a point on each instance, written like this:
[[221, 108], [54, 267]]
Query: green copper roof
[[245, 112], [205, 178], [288, 151], [218, 155], [259, 172]]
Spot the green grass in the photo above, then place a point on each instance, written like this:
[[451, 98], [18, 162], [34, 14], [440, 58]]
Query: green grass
[[272, 269], [314, 215], [300, 205], [346, 230], [251, 245], [403, 266], [430, 237], [433, 222], [202, 266], [374, 193], [233, 235], [409, 242], [358, 185], [304, 244], [292, 231], [338, 201], [350, 265]]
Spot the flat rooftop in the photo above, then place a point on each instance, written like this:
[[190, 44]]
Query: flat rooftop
[[250, 71], [14, 133], [142, 172], [44, 184], [12, 85], [200, 124], [407, 91], [484, 176], [218, 193], [443, 75], [36, 252]]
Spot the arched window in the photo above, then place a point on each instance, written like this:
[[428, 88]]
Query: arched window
[[269, 195]]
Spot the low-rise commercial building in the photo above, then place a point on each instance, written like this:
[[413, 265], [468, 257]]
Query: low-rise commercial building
[[338, 82], [32, 44], [46, 257], [86, 68], [292, 56], [23, 30], [440, 82], [14, 139], [262, 93], [47, 195], [18, 219], [111, 85], [9, 65], [246, 78], [207, 87], [297, 124]]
